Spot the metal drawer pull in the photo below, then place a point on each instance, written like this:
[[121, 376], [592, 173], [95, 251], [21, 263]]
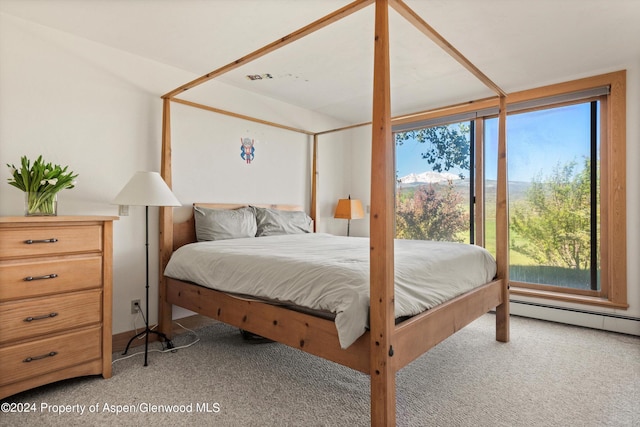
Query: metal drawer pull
[[30, 242], [44, 356], [45, 316], [47, 276]]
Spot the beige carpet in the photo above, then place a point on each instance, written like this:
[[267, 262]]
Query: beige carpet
[[548, 375]]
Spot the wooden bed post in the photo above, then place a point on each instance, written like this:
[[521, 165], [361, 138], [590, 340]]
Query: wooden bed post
[[314, 184], [502, 226], [166, 223], [383, 386]]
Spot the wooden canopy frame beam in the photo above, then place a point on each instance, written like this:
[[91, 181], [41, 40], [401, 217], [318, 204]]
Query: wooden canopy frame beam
[[296, 35], [239, 116], [383, 332], [430, 32]]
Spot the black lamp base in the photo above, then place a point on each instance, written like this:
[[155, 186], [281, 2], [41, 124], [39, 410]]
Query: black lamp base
[[148, 331]]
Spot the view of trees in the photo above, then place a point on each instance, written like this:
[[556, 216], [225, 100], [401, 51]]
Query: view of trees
[[554, 221], [551, 224], [552, 241], [431, 215], [428, 213]]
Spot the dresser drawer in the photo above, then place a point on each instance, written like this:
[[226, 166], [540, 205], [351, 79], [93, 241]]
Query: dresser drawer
[[31, 359], [22, 242], [29, 318], [35, 277]]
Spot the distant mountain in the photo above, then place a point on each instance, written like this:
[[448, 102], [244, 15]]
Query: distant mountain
[[429, 177]]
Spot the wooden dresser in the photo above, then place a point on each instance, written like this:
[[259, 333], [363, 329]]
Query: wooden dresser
[[55, 299]]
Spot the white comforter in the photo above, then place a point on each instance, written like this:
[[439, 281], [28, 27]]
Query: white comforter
[[331, 273]]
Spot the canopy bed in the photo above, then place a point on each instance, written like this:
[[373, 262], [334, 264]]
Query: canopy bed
[[388, 343]]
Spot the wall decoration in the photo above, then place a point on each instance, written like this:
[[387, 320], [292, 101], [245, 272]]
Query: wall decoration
[[248, 151]]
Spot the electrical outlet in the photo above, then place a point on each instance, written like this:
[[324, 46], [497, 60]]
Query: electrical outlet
[[135, 306]]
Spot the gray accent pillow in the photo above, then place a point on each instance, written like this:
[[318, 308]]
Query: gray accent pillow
[[222, 224], [272, 222]]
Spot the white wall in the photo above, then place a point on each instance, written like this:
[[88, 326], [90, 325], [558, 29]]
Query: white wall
[[334, 160], [98, 110], [361, 167], [208, 166]]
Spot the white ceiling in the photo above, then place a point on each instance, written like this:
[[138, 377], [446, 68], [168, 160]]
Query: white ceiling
[[518, 44]]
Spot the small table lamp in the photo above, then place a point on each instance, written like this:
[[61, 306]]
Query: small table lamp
[[146, 189], [349, 209]]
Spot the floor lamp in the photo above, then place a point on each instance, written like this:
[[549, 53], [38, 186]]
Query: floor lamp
[[146, 189]]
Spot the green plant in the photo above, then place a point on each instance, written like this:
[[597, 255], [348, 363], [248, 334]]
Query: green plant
[[555, 221], [41, 181]]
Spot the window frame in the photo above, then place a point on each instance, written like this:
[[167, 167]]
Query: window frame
[[474, 182], [613, 241], [601, 120]]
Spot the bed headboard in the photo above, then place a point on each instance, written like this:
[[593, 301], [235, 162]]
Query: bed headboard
[[185, 232]]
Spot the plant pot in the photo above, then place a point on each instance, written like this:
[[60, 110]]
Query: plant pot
[[40, 204]]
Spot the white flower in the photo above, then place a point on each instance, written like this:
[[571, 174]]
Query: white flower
[[52, 181], [52, 178]]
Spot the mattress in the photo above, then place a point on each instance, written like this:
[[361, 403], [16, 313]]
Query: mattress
[[331, 273]]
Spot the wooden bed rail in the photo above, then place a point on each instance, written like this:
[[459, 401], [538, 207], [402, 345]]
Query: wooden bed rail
[[317, 335], [308, 333]]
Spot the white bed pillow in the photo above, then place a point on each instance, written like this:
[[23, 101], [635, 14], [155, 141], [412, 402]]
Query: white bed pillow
[[271, 222], [223, 224]]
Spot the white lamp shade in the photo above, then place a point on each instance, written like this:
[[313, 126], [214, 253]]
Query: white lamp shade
[[146, 189]]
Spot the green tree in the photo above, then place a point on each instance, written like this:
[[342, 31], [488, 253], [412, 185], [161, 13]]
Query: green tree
[[431, 214], [555, 220], [447, 146]]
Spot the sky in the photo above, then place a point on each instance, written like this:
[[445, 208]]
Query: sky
[[536, 143]]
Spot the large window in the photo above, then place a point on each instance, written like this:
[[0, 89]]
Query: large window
[[566, 185]]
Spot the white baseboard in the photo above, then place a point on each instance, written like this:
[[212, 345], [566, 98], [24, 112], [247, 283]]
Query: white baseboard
[[613, 323]]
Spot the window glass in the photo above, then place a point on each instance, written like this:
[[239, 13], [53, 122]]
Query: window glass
[[553, 195], [434, 183]]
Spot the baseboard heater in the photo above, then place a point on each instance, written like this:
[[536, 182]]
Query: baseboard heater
[[576, 310]]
